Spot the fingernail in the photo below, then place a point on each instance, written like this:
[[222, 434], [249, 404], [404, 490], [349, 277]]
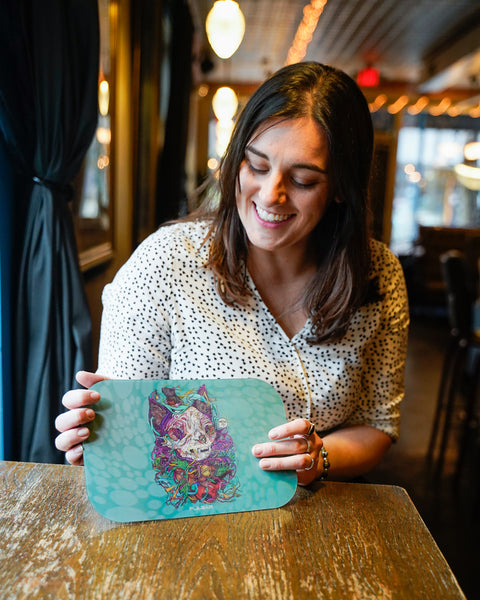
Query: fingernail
[[273, 435], [265, 464], [257, 451], [90, 414], [94, 395], [83, 432]]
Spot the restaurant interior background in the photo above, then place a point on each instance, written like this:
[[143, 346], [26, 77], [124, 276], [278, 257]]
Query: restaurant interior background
[[418, 61], [158, 137]]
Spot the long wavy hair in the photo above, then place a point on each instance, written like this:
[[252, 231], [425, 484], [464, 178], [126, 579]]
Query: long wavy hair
[[340, 242]]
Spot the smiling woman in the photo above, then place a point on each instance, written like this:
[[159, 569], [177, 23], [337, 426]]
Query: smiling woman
[[280, 282]]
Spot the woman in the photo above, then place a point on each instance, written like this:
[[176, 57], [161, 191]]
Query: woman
[[281, 282]]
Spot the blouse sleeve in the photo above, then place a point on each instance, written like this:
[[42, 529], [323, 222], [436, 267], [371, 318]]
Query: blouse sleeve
[[135, 329], [385, 354]]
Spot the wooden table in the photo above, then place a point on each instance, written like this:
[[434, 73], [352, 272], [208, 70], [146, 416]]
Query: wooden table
[[334, 540]]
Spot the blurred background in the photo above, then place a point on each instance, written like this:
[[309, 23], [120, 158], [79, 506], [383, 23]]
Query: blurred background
[[168, 95]]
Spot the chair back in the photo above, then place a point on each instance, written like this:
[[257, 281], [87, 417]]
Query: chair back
[[460, 288]]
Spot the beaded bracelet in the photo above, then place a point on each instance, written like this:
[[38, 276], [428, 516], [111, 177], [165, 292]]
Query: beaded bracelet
[[326, 464]]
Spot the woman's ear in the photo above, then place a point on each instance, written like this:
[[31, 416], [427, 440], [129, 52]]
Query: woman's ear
[[337, 200]]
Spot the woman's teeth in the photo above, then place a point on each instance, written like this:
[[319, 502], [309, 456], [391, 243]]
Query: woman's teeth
[[271, 217]]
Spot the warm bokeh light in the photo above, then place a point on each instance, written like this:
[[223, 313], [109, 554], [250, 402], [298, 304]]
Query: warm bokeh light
[[311, 14], [103, 97], [415, 177], [474, 112], [471, 151], [419, 105], [409, 169], [398, 105], [453, 111], [377, 103], [104, 135], [212, 164], [103, 161], [441, 108]]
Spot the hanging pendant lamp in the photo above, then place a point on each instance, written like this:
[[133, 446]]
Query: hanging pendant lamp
[[225, 26]]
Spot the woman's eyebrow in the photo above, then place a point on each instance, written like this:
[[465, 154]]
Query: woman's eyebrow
[[309, 166], [257, 152]]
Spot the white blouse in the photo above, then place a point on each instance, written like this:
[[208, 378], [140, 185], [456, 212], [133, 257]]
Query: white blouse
[[163, 319]]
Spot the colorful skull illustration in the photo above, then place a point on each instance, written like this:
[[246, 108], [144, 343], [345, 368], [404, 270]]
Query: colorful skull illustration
[[194, 455]]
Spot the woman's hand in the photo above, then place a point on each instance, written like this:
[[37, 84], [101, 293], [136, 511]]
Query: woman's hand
[[293, 447], [71, 424]]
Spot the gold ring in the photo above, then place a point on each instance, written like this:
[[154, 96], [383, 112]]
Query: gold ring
[[311, 430]]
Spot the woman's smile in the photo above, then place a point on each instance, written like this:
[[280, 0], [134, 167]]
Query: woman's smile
[[270, 218]]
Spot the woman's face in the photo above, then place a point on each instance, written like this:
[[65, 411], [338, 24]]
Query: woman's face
[[283, 184]]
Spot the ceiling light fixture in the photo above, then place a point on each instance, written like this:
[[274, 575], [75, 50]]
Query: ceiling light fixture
[[468, 176], [225, 103], [225, 27]]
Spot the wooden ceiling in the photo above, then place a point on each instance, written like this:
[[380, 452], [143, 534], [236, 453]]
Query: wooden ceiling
[[430, 45]]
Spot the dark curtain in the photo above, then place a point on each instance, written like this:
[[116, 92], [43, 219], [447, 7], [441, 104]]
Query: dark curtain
[[171, 198], [48, 113]]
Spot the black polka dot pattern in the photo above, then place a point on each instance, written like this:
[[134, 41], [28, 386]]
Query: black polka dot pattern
[[164, 320]]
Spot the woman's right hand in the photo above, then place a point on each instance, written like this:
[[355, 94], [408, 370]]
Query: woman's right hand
[[71, 424]]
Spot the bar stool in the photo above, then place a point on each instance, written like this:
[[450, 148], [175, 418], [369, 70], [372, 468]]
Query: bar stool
[[459, 376]]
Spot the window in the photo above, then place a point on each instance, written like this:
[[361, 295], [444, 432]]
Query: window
[[427, 191]]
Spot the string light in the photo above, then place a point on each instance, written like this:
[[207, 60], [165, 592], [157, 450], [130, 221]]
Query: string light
[[474, 112], [441, 107], [377, 103], [416, 106], [453, 111], [311, 14], [398, 105], [419, 105]]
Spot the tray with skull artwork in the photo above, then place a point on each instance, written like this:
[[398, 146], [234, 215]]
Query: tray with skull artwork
[[163, 449]]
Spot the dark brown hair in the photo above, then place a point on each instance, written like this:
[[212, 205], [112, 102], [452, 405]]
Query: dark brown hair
[[340, 241]]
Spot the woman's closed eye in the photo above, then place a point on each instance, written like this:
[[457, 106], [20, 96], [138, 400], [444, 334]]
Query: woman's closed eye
[[257, 168], [303, 184]]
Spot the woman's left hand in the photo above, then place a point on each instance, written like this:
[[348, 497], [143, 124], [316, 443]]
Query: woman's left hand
[[292, 448]]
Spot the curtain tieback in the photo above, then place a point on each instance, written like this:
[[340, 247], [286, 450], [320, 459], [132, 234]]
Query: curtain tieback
[[63, 190]]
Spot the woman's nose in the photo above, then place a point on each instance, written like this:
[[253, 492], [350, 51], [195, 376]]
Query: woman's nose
[[272, 189]]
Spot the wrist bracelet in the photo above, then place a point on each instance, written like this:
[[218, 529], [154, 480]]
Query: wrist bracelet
[[326, 464]]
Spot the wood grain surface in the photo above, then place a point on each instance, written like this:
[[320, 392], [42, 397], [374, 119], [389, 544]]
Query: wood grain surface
[[332, 541]]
